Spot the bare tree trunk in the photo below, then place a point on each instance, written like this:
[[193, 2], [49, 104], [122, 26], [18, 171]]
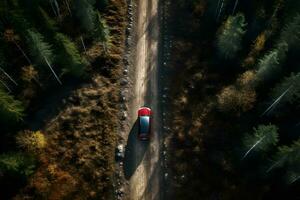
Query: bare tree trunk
[[10, 78], [82, 42], [217, 8], [220, 10], [56, 77], [68, 7], [6, 86], [276, 101], [24, 54], [235, 5], [55, 7]]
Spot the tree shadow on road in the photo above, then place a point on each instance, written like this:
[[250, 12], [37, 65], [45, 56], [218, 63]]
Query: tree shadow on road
[[134, 151]]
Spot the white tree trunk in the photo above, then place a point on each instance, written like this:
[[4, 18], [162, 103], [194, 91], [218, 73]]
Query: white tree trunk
[[10, 78], [56, 77], [235, 5], [82, 42], [6, 86]]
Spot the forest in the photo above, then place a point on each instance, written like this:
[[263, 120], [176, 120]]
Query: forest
[[59, 66], [235, 110]]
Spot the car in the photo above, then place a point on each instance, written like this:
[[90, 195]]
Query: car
[[145, 123]]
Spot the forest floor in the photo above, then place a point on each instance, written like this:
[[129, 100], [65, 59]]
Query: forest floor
[[78, 162]]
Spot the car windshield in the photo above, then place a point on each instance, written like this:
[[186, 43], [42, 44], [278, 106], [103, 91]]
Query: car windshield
[[144, 124]]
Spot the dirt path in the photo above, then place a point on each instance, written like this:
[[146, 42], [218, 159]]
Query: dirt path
[[142, 165]]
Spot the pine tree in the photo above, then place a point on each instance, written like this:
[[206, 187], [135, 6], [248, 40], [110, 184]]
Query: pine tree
[[229, 41], [292, 82], [11, 110], [47, 23], [268, 66], [69, 57], [289, 158], [85, 14], [17, 164], [291, 33], [41, 51], [264, 138], [101, 29]]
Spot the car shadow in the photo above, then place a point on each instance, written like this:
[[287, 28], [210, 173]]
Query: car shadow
[[134, 151]]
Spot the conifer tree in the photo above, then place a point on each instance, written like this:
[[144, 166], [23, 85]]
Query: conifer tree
[[69, 56], [41, 51], [85, 14], [288, 157], [291, 33], [292, 82], [264, 137], [11, 110], [17, 164], [230, 38]]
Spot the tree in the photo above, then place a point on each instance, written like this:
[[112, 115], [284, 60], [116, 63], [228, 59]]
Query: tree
[[230, 38], [288, 157], [47, 23], [292, 82], [85, 14], [268, 66], [17, 163], [101, 31], [32, 141], [291, 33], [11, 110], [41, 51], [238, 100], [10, 36], [69, 56], [264, 138]]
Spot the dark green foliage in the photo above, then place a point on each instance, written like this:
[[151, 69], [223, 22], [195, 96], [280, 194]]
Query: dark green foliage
[[40, 50], [17, 164], [85, 14], [293, 95], [291, 33], [230, 38], [269, 67], [69, 56], [47, 23], [11, 110], [264, 138], [101, 4], [288, 157], [101, 29]]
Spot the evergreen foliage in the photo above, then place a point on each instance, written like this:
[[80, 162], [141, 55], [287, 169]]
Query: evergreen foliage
[[264, 138], [101, 29], [230, 38], [40, 50], [85, 14], [291, 33], [288, 157], [268, 66], [17, 164], [293, 95], [11, 110], [69, 56]]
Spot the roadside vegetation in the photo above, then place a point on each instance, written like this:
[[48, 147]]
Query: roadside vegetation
[[235, 115], [60, 62]]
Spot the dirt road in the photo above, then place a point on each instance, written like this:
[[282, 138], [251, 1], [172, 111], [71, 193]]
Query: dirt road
[[142, 159]]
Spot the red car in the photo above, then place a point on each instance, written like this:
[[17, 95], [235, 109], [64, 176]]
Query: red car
[[144, 120]]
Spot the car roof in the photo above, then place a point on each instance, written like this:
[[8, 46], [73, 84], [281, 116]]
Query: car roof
[[144, 124]]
